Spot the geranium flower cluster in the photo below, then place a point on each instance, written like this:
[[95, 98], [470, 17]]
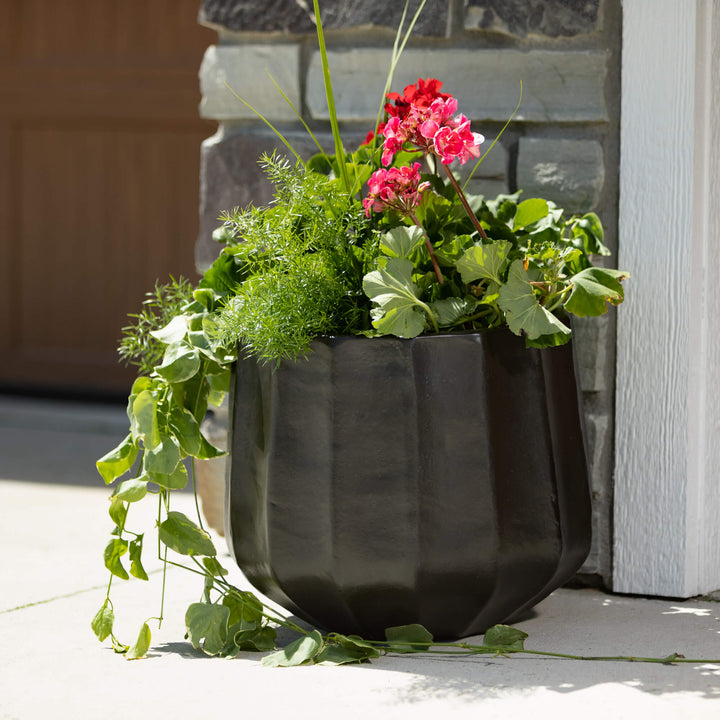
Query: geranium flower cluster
[[396, 188], [426, 119]]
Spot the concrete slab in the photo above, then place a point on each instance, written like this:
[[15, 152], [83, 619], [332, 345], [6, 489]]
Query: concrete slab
[[52, 581]]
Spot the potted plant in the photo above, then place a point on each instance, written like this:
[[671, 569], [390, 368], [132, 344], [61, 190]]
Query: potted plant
[[405, 439]]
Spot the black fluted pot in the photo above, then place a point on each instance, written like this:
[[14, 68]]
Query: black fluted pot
[[440, 480]]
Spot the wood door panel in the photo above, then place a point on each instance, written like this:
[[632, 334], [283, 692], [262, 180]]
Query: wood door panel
[[99, 175]]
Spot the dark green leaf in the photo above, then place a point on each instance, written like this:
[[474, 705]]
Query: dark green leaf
[[186, 430], [118, 461], [504, 637], [136, 568], [259, 640], [588, 230], [140, 648], [102, 623], [408, 638], [114, 550], [298, 652], [450, 310], [208, 622], [182, 535], [246, 611]]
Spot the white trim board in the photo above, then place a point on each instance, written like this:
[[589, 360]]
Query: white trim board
[[667, 456]]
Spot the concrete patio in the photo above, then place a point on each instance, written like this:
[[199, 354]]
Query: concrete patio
[[52, 579]]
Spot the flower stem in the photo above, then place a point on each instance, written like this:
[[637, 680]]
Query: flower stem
[[465, 204], [429, 247]]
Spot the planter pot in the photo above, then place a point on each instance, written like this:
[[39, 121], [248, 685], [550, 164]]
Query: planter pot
[[440, 480]]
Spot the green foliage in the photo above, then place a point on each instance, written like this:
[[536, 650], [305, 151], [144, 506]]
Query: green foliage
[[138, 346]]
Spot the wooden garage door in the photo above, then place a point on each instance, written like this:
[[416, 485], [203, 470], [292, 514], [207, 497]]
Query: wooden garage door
[[99, 165]]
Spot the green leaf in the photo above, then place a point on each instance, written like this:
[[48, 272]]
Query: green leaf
[[118, 461], [182, 535], [118, 511], [408, 638], [186, 429], [504, 637], [401, 242], [592, 289], [208, 622], [298, 652], [588, 230], [164, 457], [343, 649], [522, 309], [176, 480], [484, 262], [246, 611], [132, 490], [142, 644], [214, 567], [114, 550], [136, 568], [173, 332], [102, 623], [181, 362], [259, 640], [450, 310], [144, 419], [530, 211], [400, 312]]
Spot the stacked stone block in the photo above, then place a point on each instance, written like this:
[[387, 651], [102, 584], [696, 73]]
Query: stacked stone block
[[562, 144]]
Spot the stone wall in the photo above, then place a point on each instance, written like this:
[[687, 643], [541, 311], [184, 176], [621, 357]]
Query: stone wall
[[562, 145]]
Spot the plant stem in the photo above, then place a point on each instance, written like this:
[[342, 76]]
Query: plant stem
[[465, 204], [429, 247], [195, 495]]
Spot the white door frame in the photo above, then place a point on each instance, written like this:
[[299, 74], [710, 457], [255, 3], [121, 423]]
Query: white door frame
[[667, 444]]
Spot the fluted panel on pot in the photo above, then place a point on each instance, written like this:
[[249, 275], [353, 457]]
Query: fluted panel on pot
[[382, 482]]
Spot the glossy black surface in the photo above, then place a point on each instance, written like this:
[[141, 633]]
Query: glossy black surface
[[439, 480]]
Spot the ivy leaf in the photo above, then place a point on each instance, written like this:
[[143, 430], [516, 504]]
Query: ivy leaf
[[186, 429], [114, 550], [117, 511], [140, 648], [214, 567], [298, 652], [401, 242], [246, 611], [118, 461], [180, 362], [136, 568], [182, 535], [504, 637], [484, 262], [530, 211], [592, 289], [408, 638], [164, 457], [208, 622], [143, 419], [344, 649], [400, 311], [173, 332], [176, 480], [132, 490], [258, 640], [523, 311], [102, 623]]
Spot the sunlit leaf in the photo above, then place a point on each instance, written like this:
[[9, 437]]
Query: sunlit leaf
[[298, 652], [484, 262], [114, 550], [142, 644], [593, 289], [182, 535], [209, 623], [118, 461], [102, 623]]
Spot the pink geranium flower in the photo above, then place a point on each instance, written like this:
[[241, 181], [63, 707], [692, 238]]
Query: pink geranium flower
[[396, 188]]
